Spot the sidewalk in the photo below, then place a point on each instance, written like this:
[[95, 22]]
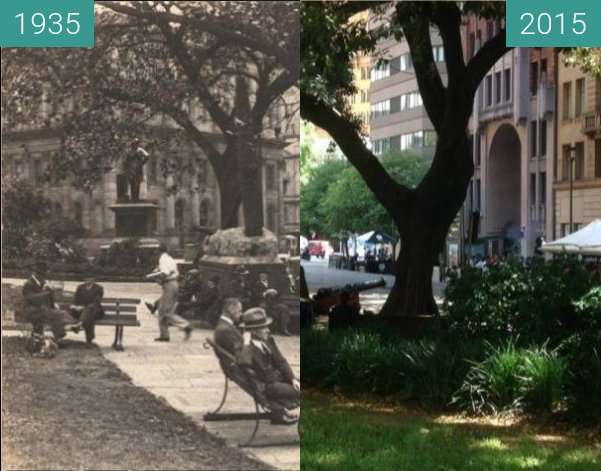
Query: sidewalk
[[188, 376]]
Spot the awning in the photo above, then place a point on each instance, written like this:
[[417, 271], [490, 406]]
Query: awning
[[586, 241]]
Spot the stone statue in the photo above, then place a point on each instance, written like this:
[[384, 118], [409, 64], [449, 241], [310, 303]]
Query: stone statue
[[133, 168]]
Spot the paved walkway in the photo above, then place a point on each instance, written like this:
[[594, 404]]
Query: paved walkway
[[188, 376]]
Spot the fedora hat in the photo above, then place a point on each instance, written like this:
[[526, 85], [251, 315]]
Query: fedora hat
[[254, 318], [241, 270]]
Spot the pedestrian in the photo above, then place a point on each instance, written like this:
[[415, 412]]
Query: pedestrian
[[168, 302]]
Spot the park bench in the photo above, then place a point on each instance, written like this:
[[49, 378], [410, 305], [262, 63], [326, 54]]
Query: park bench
[[243, 378], [119, 312]]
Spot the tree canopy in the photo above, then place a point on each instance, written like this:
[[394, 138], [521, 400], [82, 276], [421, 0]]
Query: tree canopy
[[162, 71]]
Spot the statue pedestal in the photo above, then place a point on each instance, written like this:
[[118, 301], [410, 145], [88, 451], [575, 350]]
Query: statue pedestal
[[135, 219]]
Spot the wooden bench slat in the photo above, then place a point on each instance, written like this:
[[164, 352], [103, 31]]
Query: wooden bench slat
[[69, 298], [106, 307], [124, 322]]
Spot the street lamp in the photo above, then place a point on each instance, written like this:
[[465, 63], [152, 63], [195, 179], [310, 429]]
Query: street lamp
[[572, 150]]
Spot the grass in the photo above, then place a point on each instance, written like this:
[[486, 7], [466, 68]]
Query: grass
[[79, 411], [335, 435]]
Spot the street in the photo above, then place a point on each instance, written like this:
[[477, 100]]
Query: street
[[318, 276]]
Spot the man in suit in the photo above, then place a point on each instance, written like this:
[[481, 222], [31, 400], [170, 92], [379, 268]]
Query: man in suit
[[87, 306], [274, 375], [40, 308], [226, 334]]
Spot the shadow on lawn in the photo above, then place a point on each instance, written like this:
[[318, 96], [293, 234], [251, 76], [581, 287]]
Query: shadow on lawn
[[337, 437]]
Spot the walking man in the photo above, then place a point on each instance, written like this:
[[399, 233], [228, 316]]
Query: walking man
[[168, 302]]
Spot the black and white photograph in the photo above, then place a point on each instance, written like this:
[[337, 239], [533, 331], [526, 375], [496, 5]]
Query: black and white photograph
[[150, 242]]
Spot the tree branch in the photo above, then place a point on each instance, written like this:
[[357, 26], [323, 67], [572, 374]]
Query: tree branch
[[485, 59], [393, 196], [447, 16], [432, 90]]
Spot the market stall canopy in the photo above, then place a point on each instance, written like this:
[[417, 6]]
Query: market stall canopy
[[375, 238], [586, 241]]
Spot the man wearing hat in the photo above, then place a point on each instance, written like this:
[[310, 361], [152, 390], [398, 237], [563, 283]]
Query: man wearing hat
[[87, 306], [40, 308], [239, 286], [262, 355]]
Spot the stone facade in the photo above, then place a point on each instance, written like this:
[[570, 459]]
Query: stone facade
[[579, 125]]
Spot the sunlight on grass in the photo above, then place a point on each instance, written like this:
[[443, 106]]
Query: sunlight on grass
[[491, 444], [334, 436]]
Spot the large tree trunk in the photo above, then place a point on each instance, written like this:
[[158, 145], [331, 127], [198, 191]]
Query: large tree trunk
[[252, 186], [424, 229], [230, 195]]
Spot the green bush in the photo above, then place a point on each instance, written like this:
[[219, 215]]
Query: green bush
[[513, 378], [534, 304], [583, 356]]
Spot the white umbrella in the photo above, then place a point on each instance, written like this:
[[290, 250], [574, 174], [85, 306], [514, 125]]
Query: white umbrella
[[586, 241]]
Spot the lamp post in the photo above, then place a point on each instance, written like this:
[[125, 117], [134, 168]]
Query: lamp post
[[572, 150]]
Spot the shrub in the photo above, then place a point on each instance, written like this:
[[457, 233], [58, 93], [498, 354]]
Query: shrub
[[543, 377], [513, 378], [509, 300], [583, 383]]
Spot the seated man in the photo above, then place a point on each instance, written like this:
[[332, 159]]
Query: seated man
[[276, 380], [344, 315], [277, 311], [87, 306], [226, 334], [40, 308]]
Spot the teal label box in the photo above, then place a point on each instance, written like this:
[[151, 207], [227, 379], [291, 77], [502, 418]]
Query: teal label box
[[556, 23], [44, 23]]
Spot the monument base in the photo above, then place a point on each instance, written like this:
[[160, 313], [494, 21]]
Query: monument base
[[135, 219]]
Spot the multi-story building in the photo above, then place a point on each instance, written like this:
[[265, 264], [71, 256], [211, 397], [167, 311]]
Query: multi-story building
[[579, 150], [512, 129], [398, 120], [187, 215]]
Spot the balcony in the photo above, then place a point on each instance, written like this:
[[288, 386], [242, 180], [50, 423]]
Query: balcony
[[591, 123]]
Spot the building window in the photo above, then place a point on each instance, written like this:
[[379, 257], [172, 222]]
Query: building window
[[567, 100], [438, 53], [38, 171], [579, 101], [478, 195], [203, 213], [382, 108], [201, 173], [364, 96], [598, 94], [543, 70], [381, 71], [364, 73], [498, 87], [533, 125], [490, 28], [78, 213], [507, 82], [405, 63], [533, 77], [478, 150], [579, 163], [270, 178], [533, 188], [271, 213], [597, 158], [565, 162], [152, 171], [543, 138], [542, 187], [180, 211], [488, 90]]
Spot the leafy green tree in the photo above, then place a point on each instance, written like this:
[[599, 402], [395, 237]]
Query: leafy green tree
[[422, 215], [349, 205], [313, 192], [150, 64], [587, 58]]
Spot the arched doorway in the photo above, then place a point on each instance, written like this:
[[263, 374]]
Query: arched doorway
[[503, 197]]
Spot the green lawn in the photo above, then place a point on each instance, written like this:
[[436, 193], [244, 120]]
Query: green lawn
[[338, 437]]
